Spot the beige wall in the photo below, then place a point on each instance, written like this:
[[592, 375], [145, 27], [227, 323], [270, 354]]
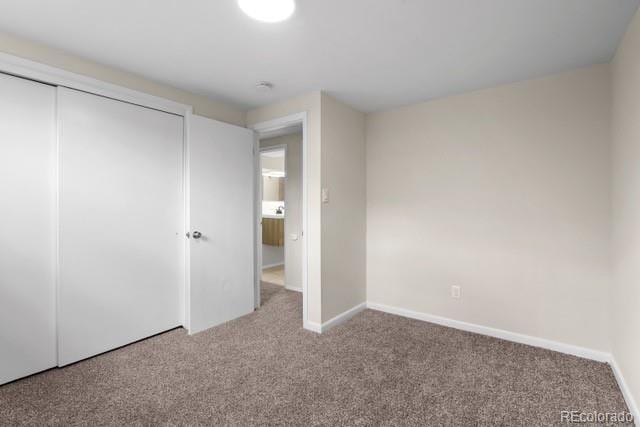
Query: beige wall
[[293, 206], [40, 53], [273, 163], [504, 192], [335, 160], [344, 217], [309, 103], [625, 331], [272, 189]]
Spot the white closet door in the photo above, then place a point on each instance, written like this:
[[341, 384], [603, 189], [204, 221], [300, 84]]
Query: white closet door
[[121, 222], [221, 184], [27, 228]]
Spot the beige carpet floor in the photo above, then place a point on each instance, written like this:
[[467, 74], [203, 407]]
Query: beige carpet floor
[[263, 369]]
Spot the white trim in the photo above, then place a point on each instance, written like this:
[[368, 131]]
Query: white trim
[[21, 67], [313, 327], [186, 182], [342, 317], [279, 123], [337, 320], [626, 391], [596, 355], [277, 264], [257, 225], [56, 218], [294, 288], [587, 353]]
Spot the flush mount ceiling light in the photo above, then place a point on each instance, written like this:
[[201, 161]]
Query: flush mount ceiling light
[[268, 10]]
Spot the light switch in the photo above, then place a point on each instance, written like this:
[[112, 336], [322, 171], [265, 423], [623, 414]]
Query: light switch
[[325, 195], [293, 236]]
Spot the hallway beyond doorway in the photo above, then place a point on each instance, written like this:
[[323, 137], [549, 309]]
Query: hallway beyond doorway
[[274, 275]]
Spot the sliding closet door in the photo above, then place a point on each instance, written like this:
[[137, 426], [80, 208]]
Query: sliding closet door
[[27, 228], [121, 216]]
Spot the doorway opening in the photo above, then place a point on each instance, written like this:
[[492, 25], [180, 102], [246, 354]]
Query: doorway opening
[[276, 218], [281, 216]]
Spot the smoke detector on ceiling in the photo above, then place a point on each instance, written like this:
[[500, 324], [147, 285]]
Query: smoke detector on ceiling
[[264, 86]]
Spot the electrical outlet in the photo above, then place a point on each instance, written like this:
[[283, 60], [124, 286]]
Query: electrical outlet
[[455, 291]]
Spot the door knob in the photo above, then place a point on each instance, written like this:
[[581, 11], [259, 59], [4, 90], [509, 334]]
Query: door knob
[[197, 234]]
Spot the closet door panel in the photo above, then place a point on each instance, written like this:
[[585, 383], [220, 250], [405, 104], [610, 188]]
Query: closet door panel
[[121, 222], [27, 228]]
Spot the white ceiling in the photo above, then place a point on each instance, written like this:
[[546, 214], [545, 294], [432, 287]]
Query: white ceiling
[[372, 54]]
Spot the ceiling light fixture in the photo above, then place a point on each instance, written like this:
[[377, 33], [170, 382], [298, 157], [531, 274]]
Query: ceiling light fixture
[[268, 10]]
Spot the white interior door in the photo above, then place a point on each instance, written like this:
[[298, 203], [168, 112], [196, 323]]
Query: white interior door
[[27, 228], [221, 163], [121, 223]]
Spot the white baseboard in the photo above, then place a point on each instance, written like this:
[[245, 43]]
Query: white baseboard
[[342, 317], [626, 392], [583, 352], [293, 288], [587, 353], [277, 264], [313, 327], [339, 319]]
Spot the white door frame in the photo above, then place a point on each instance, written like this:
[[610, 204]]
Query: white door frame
[[269, 126], [32, 70]]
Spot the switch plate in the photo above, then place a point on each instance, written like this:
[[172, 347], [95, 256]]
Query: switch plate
[[455, 292], [293, 236], [325, 195]]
